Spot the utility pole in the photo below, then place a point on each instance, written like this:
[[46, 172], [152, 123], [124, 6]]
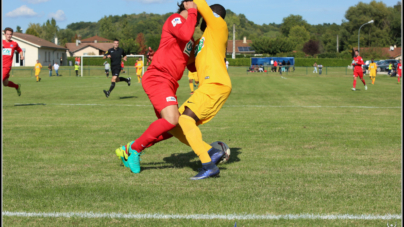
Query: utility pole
[[234, 41]]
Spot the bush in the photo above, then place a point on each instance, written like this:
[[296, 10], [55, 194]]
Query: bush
[[239, 62], [100, 62]]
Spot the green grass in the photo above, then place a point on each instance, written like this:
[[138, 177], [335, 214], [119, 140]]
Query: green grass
[[333, 159]]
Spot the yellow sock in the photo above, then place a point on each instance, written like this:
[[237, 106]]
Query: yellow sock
[[194, 137], [191, 85], [374, 79], [179, 134], [37, 78], [138, 79]]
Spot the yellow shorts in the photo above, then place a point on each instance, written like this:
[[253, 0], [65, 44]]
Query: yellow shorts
[[372, 74], [193, 76], [139, 72], [37, 73], [207, 101]]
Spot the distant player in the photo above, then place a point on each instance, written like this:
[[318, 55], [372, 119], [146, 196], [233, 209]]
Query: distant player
[[399, 71], [116, 54], [192, 76], [107, 67], [227, 65], [139, 69], [160, 82], [9, 47], [358, 72], [372, 71], [38, 68], [150, 54], [122, 66]]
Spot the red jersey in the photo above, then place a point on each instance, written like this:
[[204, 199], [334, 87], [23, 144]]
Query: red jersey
[[8, 52], [176, 45], [358, 64], [275, 63], [399, 69], [122, 64]]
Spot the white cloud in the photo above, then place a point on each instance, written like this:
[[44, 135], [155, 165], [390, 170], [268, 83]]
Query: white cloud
[[23, 11], [35, 1], [59, 15]]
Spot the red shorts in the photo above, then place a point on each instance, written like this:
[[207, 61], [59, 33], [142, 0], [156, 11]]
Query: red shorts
[[399, 74], [358, 73], [6, 72], [161, 91]]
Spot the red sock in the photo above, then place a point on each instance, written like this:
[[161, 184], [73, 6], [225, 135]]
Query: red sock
[[399, 79], [155, 133], [363, 81], [11, 84], [354, 84], [165, 136]]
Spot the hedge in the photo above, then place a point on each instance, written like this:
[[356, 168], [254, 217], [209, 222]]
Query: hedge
[[100, 61], [300, 62]]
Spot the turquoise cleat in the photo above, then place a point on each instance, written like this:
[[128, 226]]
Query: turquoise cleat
[[120, 152], [133, 159]]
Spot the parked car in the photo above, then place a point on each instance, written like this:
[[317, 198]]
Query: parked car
[[366, 66], [383, 65]]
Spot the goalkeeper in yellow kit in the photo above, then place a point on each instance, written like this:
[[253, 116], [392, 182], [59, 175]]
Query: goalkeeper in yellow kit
[[373, 71], [139, 69]]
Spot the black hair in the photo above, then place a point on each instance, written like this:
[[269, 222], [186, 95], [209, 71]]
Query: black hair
[[181, 6], [219, 9], [116, 40]]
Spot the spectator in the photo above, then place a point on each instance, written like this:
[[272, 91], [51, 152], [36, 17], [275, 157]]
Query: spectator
[[56, 67], [227, 64], [50, 70], [390, 68], [320, 69], [76, 60], [272, 62], [287, 67], [280, 68], [275, 65], [61, 61], [79, 60], [284, 64], [315, 67], [261, 69]]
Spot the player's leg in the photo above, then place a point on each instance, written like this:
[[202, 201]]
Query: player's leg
[[138, 78], [398, 78], [7, 83], [191, 85], [362, 79]]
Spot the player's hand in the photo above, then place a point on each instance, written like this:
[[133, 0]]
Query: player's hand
[[108, 56], [190, 5], [22, 58]]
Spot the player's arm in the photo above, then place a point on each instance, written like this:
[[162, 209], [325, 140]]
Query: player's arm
[[212, 19], [19, 50], [106, 55], [185, 30], [125, 58]]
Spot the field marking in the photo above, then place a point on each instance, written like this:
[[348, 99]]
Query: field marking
[[208, 216]]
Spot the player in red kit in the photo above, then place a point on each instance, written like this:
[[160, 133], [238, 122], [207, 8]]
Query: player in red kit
[[8, 52], [160, 81], [399, 71], [357, 63]]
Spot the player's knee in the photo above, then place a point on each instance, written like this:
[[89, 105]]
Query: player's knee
[[5, 82], [173, 118]]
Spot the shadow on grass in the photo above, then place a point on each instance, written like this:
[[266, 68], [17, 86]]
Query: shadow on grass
[[128, 97], [31, 104], [181, 160]]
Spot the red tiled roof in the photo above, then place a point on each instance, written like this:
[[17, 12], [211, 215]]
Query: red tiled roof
[[385, 51], [239, 43], [101, 46], [36, 40], [92, 39]]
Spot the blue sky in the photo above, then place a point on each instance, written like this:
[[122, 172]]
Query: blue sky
[[23, 12]]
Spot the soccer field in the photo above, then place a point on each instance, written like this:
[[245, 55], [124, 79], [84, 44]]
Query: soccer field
[[301, 145]]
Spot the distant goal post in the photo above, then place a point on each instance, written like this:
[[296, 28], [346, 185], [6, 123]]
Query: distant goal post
[[101, 56]]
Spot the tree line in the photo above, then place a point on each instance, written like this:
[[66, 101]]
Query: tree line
[[293, 36]]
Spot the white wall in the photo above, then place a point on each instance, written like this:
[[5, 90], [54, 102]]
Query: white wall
[[50, 56], [88, 50]]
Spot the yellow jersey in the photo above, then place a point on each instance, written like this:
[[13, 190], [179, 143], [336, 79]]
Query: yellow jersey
[[210, 50], [139, 66], [373, 67], [38, 67]]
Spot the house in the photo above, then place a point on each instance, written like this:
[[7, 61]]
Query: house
[[91, 46], [392, 52], [242, 47], [35, 48]]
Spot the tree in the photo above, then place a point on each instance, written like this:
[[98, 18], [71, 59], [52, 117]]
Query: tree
[[34, 29], [292, 21], [130, 46], [312, 47], [298, 35], [106, 28], [272, 46], [18, 29], [65, 36], [142, 43]]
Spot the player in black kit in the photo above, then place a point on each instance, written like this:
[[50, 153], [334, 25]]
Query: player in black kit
[[116, 54]]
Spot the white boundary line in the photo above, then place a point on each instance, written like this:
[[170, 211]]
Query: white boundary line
[[208, 216], [236, 106]]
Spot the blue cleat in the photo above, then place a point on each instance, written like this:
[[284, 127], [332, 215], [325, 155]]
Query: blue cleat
[[206, 173], [133, 159], [216, 155]]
